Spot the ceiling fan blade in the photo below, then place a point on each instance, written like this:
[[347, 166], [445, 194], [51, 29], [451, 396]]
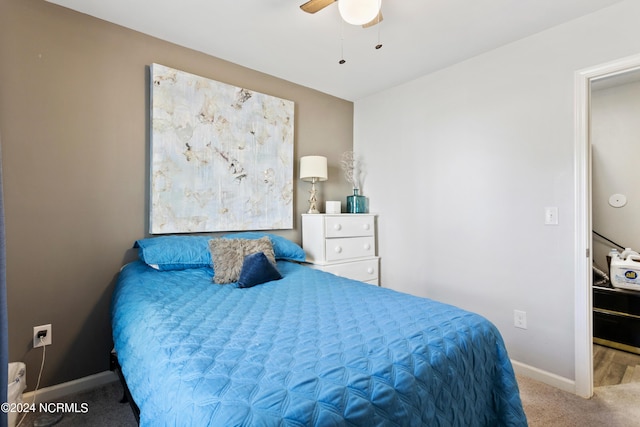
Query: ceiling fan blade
[[374, 21], [313, 6]]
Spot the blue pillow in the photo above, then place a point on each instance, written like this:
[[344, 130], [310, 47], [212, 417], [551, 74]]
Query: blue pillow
[[179, 252], [282, 247], [175, 252], [257, 269]]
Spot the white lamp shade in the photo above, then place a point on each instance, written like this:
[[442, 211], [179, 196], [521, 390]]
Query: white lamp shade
[[313, 167], [359, 12]]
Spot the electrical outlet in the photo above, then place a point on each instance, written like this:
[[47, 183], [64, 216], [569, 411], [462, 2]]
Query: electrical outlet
[[520, 319], [38, 330]]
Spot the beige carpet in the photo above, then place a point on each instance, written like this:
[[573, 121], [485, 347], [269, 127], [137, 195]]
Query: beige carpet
[[611, 406], [545, 406]]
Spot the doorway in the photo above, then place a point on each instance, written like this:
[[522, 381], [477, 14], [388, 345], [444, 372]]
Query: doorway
[[583, 216], [615, 147]]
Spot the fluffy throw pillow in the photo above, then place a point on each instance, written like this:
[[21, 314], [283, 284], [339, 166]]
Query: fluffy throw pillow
[[282, 247], [257, 269], [228, 256]]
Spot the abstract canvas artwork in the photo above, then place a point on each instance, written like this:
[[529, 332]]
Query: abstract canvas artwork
[[221, 156]]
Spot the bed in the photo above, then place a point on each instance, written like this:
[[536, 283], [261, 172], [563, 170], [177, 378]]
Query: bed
[[306, 349]]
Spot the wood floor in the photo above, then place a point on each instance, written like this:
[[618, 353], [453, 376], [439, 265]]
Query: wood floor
[[611, 366]]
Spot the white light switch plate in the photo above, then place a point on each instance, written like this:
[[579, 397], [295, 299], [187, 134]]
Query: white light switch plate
[[551, 215]]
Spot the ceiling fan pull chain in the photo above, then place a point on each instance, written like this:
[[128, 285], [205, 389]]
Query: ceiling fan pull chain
[[342, 60], [379, 45]]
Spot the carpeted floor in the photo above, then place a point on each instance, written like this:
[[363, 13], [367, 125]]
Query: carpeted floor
[[545, 406], [611, 406], [104, 410]]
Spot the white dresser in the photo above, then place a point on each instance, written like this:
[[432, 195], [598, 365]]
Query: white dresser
[[342, 244]]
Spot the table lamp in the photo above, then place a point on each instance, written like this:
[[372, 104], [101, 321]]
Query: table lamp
[[314, 169]]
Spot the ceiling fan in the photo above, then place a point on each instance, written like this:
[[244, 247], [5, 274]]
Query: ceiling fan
[[356, 12]]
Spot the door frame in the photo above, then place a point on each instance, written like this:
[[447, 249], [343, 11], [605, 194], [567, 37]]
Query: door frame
[[583, 220]]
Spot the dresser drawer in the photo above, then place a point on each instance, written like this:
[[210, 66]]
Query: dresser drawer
[[349, 247], [364, 271], [349, 226], [342, 244]]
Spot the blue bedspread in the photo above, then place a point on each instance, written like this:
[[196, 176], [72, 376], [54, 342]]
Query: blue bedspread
[[310, 349]]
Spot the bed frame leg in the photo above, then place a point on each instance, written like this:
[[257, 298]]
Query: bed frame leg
[[114, 365]]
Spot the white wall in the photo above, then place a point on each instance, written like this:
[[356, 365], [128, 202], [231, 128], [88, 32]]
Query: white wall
[[461, 164], [615, 136]]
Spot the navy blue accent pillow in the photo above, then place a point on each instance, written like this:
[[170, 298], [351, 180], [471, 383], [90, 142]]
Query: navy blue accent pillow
[[257, 269]]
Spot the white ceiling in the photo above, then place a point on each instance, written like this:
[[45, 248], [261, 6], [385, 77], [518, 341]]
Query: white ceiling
[[277, 38]]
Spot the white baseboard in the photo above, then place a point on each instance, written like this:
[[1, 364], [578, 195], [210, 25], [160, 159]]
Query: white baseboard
[[55, 392], [548, 378]]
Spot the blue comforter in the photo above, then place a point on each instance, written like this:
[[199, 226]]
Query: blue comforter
[[309, 349]]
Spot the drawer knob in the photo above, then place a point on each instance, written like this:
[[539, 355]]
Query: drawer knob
[[338, 249], [370, 270], [337, 227], [366, 226], [367, 246]]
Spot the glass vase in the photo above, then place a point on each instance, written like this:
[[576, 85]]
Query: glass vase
[[357, 203]]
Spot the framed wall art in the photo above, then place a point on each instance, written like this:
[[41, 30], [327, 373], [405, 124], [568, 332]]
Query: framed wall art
[[221, 156]]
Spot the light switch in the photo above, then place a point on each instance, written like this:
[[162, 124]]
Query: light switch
[[551, 215]]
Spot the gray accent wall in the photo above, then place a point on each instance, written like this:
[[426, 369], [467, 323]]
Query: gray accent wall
[[74, 122]]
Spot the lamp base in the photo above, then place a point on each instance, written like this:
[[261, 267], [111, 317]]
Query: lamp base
[[313, 209]]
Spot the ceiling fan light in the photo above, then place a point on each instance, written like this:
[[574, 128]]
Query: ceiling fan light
[[359, 12]]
